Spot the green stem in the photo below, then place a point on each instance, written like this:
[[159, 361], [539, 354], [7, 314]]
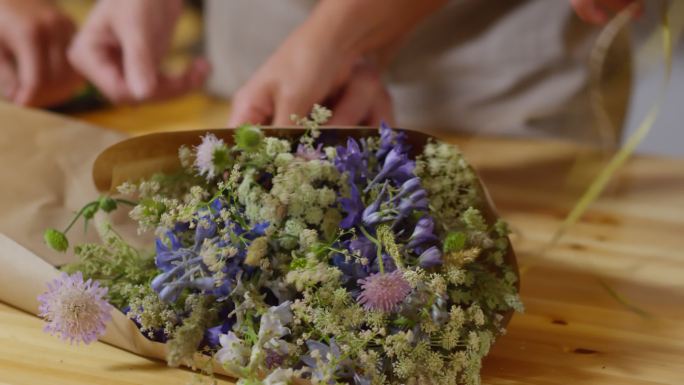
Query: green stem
[[126, 202], [78, 215], [381, 264]]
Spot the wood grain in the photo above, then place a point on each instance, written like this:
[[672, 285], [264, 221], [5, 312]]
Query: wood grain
[[574, 331]]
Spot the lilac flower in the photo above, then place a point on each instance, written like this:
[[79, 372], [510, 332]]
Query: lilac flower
[[353, 206], [373, 215], [207, 153], [183, 267], [417, 201], [430, 257], [383, 291], [390, 139], [75, 309], [280, 376], [423, 233], [353, 160], [206, 227], [409, 187], [397, 167], [309, 153]]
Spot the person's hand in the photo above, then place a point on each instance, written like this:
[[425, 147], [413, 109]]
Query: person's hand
[[599, 11], [34, 70], [303, 71], [325, 61], [122, 44], [362, 100]]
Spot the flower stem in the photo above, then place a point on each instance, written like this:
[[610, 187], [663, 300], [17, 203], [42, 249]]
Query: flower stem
[[78, 215], [381, 264]]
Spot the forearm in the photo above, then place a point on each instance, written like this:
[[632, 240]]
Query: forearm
[[361, 27]]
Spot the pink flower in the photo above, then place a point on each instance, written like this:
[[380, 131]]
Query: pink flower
[[75, 309], [209, 155], [383, 291]]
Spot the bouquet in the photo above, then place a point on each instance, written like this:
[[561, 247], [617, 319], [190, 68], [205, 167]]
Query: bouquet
[[315, 257]]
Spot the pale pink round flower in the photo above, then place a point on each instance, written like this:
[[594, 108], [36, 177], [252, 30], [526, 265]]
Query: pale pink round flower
[[383, 291], [75, 309], [205, 153]]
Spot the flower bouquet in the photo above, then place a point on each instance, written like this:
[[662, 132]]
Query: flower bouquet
[[288, 255]]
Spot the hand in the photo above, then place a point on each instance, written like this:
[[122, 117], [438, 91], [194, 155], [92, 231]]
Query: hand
[[362, 100], [303, 71], [122, 44], [598, 11], [34, 70], [323, 61]]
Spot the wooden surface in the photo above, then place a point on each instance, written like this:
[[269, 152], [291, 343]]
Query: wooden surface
[[604, 306]]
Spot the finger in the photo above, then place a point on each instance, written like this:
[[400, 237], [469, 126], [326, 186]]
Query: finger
[[251, 104], [288, 103], [140, 65], [356, 101], [589, 11], [100, 63], [8, 75], [31, 54], [191, 79]]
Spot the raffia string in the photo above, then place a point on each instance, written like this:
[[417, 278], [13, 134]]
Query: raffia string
[[622, 155]]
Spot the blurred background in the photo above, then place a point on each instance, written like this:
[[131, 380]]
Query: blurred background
[[639, 87]]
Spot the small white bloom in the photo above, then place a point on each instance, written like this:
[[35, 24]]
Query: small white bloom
[[279, 376], [233, 350]]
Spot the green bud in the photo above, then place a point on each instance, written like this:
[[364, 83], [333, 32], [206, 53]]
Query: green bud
[[89, 211], [221, 158], [56, 240], [248, 137], [107, 204], [454, 241]]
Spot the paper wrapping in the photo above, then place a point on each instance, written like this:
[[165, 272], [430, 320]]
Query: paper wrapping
[[24, 274]]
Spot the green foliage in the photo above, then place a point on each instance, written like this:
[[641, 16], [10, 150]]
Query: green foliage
[[454, 241], [114, 263]]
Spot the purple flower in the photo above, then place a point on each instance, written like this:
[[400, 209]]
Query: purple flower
[[353, 206], [75, 309], [309, 153], [423, 233], [430, 257], [417, 201], [353, 160], [409, 187], [390, 139], [397, 167], [373, 215], [383, 291]]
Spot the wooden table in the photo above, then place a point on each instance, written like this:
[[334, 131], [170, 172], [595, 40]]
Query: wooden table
[[604, 306]]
